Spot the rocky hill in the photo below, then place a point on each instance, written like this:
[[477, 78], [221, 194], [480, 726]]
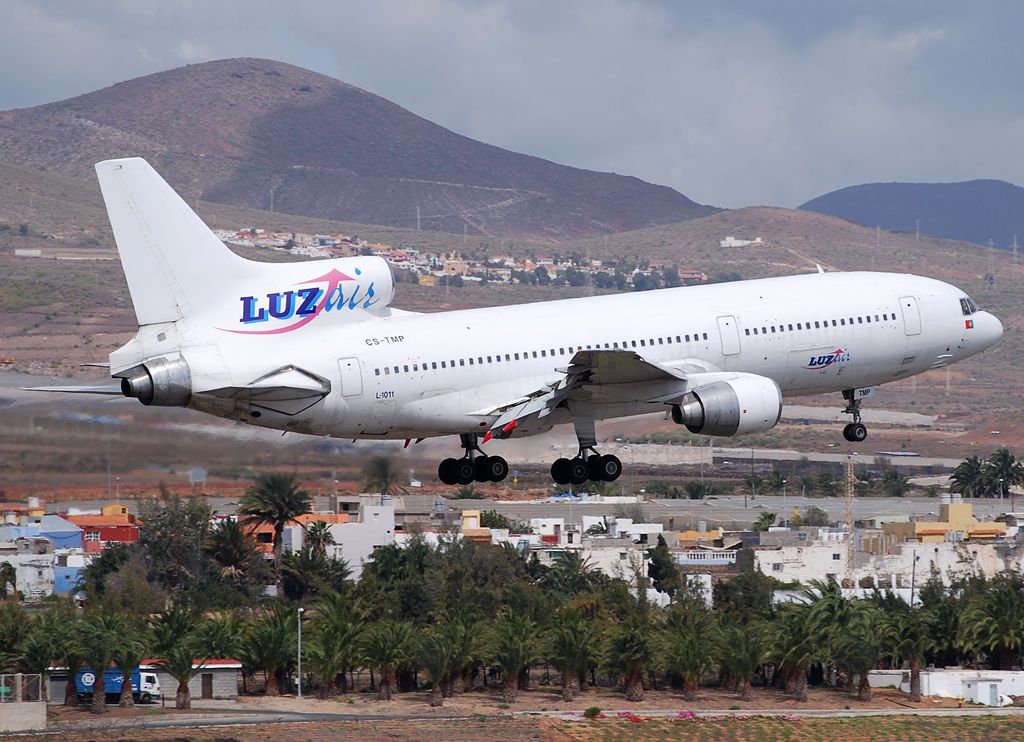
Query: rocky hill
[[268, 135], [973, 211]]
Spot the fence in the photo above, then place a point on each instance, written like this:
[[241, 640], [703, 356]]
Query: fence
[[19, 687]]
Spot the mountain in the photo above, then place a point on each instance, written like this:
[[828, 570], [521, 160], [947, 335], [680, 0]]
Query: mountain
[[973, 211], [262, 134]]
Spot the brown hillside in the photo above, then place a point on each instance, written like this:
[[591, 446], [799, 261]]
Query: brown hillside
[[233, 131]]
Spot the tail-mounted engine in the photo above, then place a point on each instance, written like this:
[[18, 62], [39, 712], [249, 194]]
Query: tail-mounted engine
[[159, 382], [746, 404]]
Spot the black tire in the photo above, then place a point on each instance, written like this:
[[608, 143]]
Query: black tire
[[497, 468], [560, 471], [446, 471], [579, 472], [858, 433], [481, 470], [610, 468], [846, 431], [465, 471]]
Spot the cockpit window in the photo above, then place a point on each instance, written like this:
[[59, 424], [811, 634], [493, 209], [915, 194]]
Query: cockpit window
[[968, 306]]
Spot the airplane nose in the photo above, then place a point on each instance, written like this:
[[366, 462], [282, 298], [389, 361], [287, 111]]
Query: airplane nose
[[992, 329]]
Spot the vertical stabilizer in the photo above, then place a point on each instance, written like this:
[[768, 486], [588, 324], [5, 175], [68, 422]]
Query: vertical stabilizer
[[173, 263]]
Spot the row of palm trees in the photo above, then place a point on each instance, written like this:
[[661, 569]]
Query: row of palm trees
[[991, 477]]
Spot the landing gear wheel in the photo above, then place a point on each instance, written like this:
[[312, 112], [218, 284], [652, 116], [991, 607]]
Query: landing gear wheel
[[579, 472], [855, 432], [560, 471], [480, 471], [446, 471], [497, 468], [608, 468], [464, 470]]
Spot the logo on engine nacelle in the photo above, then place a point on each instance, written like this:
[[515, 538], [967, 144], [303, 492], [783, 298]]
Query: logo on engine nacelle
[[341, 292], [837, 356]]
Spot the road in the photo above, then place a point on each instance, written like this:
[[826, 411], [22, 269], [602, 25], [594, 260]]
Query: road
[[732, 509]]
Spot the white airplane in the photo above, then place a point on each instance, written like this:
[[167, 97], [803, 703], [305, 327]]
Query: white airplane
[[316, 348]]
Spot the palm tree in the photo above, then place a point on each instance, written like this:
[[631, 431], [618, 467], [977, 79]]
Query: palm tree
[[573, 646], [36, 651], [233, 548], [172, 626], [131, 648], [742, 651], [181, 664], [68, 649], [513, 648], [690, 646], [220, 637], [8, 580], [380, 475], [764, 521], [858, 647], [1002, 471], [571, 574], [993, 621], [271, 644], [794, 645], [102, 633], [319, 537], [344, 622], [436, 655], [386, 647], [306, 573], [462, 627], [968, 478], [630, 651], [906, 634], [275, 500]]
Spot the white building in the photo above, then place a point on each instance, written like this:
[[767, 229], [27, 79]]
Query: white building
[[736, 242], [985, 687]]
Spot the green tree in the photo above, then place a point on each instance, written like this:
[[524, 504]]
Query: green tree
[[36, 652], [219, 637], [992, 624], [793, 645], [276, 500], [741, 652], [8, 580], [513, 648], [813, 516], [387, 646], [571, 573], [630, 652], [101, 635], [746, 596], [764, 521], [968, 479], [895, 484], [573, 646], [319, 537], [341, 626], [308, 573], [1002, 471], [662, 569], [906, 635], [436, 655], [69, 650], [132, 646], [237, 558], [381, 475], [690, 645], [181, 664], [858, 646], [271, 644], [172, 543]]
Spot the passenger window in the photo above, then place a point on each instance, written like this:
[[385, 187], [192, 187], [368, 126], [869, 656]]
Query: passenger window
[[462, 361], [443, 365], [799, 326], [376, 372], [543, 354], [517, 356], [396, 369], [869, 319], [387, 371], [817, 326], [791, 328], [705, 336], [764, 330], [406, 369], [652, 341], [755, 332], [841, 321], [535, 353], [661, 341], [643, 342], [834, 323], [688, 337], [747, 331], [470, 361], [860, 320], [633, 343]]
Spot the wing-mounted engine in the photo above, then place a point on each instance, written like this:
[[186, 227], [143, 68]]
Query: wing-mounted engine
[[745, 404]]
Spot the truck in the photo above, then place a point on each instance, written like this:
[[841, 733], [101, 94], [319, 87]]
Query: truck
[[145, 684]]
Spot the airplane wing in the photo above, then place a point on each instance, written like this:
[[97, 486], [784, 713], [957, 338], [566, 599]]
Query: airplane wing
[[592, 377]]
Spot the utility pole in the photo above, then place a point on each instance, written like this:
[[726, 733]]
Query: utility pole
[[849, 516], [417, 218], [298, 653]]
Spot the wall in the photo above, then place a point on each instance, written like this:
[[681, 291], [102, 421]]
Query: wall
[[355, 542], [22, 717], [225, 683]]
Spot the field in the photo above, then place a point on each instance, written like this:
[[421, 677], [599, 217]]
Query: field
[[641, 729]]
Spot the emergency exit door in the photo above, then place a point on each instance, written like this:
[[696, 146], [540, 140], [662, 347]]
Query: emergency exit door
[[351, 377], [730, 335], [911, 315]]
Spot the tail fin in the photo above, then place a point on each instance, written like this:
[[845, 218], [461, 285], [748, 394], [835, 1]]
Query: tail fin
[[173, 263]]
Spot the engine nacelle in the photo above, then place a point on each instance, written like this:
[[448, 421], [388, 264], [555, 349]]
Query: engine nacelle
[[159, 382], [746, 404]]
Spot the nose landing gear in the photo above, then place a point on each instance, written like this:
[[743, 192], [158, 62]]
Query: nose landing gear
[[475, 465]]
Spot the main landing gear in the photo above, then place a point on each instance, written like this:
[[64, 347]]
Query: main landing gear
[[587, 465], [475, 465], [855, 432]]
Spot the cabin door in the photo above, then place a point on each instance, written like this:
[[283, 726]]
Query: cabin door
[[911, 315], [730, 335], [351, 377]]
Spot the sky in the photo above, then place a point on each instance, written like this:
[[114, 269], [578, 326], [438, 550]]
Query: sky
[[731, 103]]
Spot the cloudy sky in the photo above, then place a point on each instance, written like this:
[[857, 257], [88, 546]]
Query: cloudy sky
[[732, 103]]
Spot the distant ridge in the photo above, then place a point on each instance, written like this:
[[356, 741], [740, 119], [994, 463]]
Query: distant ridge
[[972, 211], [262, 134]]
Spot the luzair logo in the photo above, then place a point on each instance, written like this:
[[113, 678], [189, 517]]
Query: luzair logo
[[839, 355], [332, 292]]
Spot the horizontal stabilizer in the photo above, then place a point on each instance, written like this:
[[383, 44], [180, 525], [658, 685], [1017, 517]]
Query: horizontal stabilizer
[[111, 389]]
